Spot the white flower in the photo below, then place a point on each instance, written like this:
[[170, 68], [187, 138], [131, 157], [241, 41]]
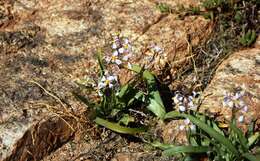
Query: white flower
[[121, 50], [182, 127], [182, 108], [178, 98], [241, 118], [108, 81], [157, 49], [187, 125], [245, 109], [187, 121], [126, 41], [192, 127], [114, 58], [100, 93], [114, 46], [190, 98], [129, 65]]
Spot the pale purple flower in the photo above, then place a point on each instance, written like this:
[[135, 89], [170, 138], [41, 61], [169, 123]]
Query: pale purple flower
[[182, 108], [241, 118], [121, 50], [114, 46]]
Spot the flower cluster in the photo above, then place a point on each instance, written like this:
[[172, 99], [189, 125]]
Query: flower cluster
[[188, 125], [121, 51], [235, 102], [108, 81], [185, 103]]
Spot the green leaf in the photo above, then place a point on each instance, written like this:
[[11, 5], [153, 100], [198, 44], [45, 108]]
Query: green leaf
[[155, 101], [186, 149], [137, 96], [251, 157], [126, 119], [241, 137], [213, 133], [117, 128], [162, 146], [252, 37], [252, 139], [156, 107], [100, 62], [123, 91]]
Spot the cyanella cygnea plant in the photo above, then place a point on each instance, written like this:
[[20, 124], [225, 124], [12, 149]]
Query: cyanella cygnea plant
[[121, 51], [234, 100]]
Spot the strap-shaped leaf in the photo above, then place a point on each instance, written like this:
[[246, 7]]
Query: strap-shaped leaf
[[155, 101], [186, 149], [117, 128], [243, 141], [251, 157], [252, 139], [213, 133]]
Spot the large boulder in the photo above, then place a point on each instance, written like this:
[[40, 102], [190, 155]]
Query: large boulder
[[235, 87], [236, 83]]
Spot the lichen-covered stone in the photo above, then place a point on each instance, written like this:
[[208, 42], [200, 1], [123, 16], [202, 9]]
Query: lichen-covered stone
[[240, 72]]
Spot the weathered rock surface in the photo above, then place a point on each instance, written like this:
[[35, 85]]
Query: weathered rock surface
[[53, 42], [240, 72]]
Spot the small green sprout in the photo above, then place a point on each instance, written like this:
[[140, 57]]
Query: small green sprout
[[164, 8], [248, 38]]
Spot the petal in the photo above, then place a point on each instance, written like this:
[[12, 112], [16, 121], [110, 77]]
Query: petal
[[245, 109], [129, 66], [103, 79], [125, 58], [182, 108], [182, 127], [179, 97], [100, 93], [118, 62], [114, 46], [115, 53], [126, 41], [241, 118], [190, 98], [111, 78], [192, 127], [110, 85], [187, 121], [101, 85], [121, 50]]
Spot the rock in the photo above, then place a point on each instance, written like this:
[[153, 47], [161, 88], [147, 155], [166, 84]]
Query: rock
[[53, 43], [175, 38], [174, 4], [238, 75], [240, 72], [44, 137]]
